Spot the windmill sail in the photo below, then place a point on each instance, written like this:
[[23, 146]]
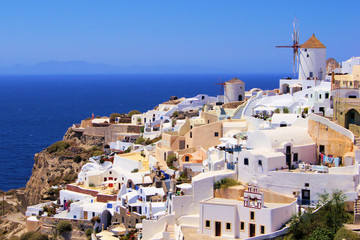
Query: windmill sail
[[295, 46]]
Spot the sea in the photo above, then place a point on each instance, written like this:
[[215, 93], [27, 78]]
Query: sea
[[37, 110]]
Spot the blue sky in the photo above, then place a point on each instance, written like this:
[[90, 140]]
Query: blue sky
[[237, 36]]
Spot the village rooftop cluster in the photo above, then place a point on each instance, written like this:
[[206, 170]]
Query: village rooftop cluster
[[236, 166]]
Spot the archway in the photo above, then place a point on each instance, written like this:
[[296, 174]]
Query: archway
[[285, 88], [352, 117], [240, 98], [105, 219]]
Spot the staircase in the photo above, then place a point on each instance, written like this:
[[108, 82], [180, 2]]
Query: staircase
[[169, 232], [357, 211]]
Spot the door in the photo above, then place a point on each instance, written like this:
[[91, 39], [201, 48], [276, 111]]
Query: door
[[305, 196], [252, 230], [85, 215], [217, 229], [288, 156], [296, 157]]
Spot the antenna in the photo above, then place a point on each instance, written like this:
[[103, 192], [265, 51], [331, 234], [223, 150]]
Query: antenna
[[295, 46]]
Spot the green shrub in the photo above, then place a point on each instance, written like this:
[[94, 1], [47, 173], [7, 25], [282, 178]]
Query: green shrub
[[285, 110], [88, 233], [135, 170], [96, 153], [70, 177], [170, 160], [127, 150], [34, 236], [63, 227], [148, 141], [102, 160], [225, 183], [77, 159], [344, 233], [133, 112], [91, 185], [277, 110], [175, 114], [142, 129], [140, 140], [306, 110], [58, 146]]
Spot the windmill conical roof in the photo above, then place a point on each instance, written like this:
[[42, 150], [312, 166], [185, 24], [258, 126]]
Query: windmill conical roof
[[312, 42], [235, 80]]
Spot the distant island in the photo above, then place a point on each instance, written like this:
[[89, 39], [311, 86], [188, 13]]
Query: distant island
[[82, 67]]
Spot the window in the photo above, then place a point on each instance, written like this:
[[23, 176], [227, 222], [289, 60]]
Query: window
[[311, 74], [190, 134], [93, 214], [216, 134], [110, 172], [252, 215], [242, 226], [187, 158], [246, 161], [207, 224], [307, 184], [326, 95], [191, 127], [260, 162], [307, 55], [319, 96], [262, 229], [122, 220], [228, 226]]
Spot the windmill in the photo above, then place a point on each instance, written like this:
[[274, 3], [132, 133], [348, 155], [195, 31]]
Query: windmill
[[295, 46]]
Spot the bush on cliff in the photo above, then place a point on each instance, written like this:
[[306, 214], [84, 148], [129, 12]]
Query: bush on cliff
[[225, 183], [113, 116], [63, 227], [77, 159], [58, 146], [34, 236]]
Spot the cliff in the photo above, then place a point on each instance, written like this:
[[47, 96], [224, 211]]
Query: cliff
[[59, 166]]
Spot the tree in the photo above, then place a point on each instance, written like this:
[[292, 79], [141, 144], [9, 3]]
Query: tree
[[113, 116], [133, 112], [324, 223]]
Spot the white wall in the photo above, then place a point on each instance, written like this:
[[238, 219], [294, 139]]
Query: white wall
[[287, 182]]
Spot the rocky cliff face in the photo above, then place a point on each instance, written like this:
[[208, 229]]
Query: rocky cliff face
[[60, 167]]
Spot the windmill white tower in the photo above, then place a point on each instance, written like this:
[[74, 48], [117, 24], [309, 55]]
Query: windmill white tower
[[312, 64]]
